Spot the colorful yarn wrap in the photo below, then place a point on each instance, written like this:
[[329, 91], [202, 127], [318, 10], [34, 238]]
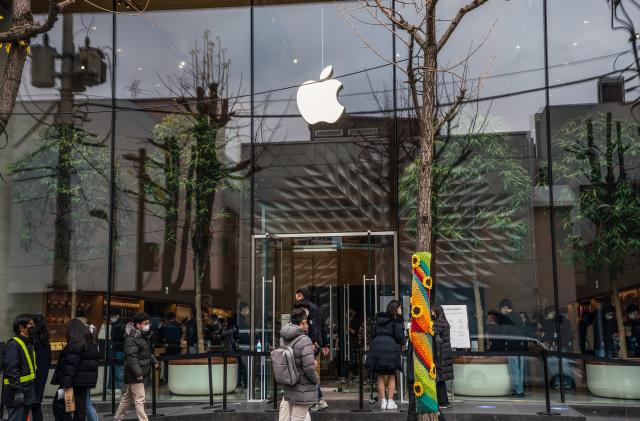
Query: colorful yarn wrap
[[421, 335]]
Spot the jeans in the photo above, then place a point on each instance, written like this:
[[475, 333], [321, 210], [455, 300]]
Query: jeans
[[119, 370], [18, 413], [516, 371], [92, 414]]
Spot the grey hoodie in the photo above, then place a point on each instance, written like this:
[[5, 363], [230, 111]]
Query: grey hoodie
[[305, 391]]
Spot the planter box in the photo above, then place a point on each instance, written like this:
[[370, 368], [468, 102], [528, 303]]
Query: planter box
[[481, 376], [613, 381], [191, 377], [50, 390]]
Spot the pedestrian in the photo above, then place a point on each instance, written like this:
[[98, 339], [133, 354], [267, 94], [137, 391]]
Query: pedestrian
[[18, 366], [443, 355], [42, 347], [171, 335], [244, 342], [633, 327], [512, 339], [299, 397], [116, 348], [317, 333], [386, 346], [139, 361], [77, 370]]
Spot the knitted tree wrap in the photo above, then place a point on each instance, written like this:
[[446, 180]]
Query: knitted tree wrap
[[421, 335]]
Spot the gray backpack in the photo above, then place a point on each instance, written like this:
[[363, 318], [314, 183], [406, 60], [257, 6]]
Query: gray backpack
[[283, 363]]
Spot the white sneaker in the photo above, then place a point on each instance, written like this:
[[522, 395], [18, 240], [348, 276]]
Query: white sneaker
[[383, 404], [391, 405]]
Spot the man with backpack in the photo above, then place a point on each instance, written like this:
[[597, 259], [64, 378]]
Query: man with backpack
[[294, 367]]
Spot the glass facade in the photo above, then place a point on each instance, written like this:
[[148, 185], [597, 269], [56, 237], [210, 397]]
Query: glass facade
[[185, 143]]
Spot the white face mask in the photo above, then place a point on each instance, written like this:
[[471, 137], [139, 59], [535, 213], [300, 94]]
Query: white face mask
[[114, 319], [146, 328]]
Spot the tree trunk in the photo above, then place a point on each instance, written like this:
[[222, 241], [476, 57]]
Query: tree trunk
[[198, 302], [12, 76], [479, 316], [615, 295], [427, 137], [172, 207]]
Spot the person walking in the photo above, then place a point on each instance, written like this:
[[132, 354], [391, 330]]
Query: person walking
[[19, 370], [512, 337], [42, 347], [77, 370], [443, 355], [386, 345], [299, 397], [317, 333], [138, 363]]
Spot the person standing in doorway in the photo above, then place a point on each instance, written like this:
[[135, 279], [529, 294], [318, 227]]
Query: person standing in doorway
[[244, 342], [298, 397], [18, 367], [386, 346], [632, 328], [42, 348], [512, 331], [139, 361], [318, 334]]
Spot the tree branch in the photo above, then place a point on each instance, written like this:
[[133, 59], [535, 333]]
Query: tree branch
[[30, 29], [456, 21]]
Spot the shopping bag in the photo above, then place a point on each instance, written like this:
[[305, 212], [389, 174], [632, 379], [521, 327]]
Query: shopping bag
[[69, 400]]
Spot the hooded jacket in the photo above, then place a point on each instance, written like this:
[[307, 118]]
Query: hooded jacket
[[138, 359], [77, 365], [386, 343], [305, 391]]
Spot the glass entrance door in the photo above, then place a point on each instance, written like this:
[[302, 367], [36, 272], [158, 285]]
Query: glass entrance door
[[349, 277]]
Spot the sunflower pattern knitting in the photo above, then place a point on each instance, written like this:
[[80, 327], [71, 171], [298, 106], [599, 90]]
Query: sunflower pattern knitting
[[421, 335]]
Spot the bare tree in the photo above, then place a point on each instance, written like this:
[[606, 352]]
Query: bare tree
[[423, 45]]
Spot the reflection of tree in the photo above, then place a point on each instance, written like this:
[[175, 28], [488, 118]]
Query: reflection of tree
[[193, 166], [82, 160], [600, 155], [480, 191]]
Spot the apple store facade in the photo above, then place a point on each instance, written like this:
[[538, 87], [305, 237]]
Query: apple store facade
[[173, 158]]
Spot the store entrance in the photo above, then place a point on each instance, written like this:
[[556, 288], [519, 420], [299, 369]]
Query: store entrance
[[350, 277]]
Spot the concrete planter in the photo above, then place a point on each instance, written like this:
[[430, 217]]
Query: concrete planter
[[613, 380], [191, 377], [50, 390], [481, 376]]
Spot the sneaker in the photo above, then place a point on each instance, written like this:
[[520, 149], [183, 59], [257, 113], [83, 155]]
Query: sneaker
[[322, 404], [383, 404], [391, 405]]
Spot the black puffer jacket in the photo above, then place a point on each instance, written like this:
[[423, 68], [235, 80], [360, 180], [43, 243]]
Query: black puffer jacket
[[43, 358], [15, 365], [77, 366], [138, 359], [443, 355], [386, 343]]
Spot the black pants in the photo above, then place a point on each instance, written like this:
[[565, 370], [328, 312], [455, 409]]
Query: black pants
[[36, 412], [441, 391], [80, 414]]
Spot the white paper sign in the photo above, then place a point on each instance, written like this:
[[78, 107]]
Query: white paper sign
[[457, 318]]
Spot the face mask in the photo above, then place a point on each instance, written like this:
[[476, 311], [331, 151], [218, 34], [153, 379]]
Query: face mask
[[146, 328], [633, 316], [114, 319], [609, 316], [399, 312]]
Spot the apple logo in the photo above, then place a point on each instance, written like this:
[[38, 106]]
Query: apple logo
[[318, 100]]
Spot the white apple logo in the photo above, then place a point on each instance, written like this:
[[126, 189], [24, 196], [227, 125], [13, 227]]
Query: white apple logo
[[318, 100]]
